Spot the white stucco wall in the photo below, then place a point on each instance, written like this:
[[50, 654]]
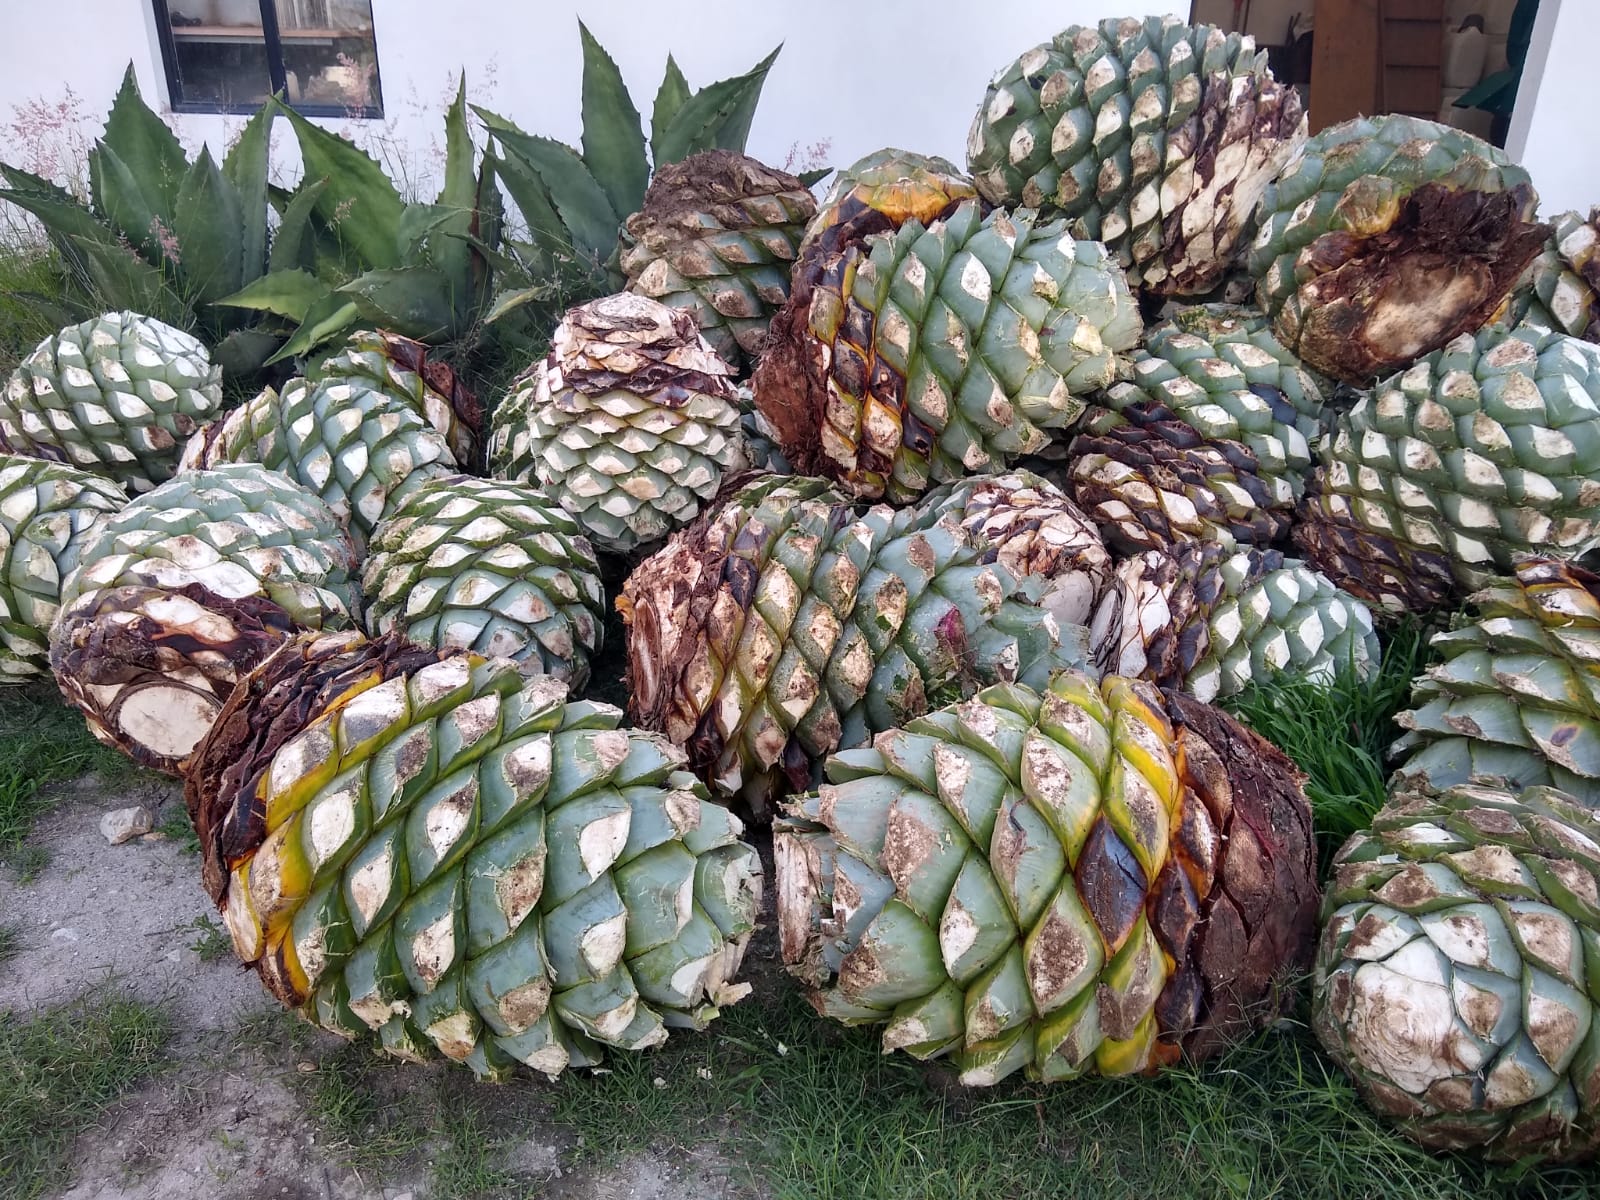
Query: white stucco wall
[[854, 74], [1552, 129], [857, 74]]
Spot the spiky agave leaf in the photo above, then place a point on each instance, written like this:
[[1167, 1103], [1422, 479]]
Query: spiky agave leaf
[[918, 356], [490, 566], [432, 847], [1387, 238], [1517, 695], [1153, 136], [629, 423], [1097, 878], [116, 395], [784, 625], [47, 512], [718, 235], [1455, 979]]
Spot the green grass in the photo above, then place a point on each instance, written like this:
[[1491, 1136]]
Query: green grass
[[1339, 734], [59, 1071], [10, 941], [380, 1116], [176, 826], [27, 272], [211, 942], [803, 1109], [41, 742]]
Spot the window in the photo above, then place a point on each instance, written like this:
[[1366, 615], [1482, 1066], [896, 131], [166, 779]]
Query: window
[[228, 56]]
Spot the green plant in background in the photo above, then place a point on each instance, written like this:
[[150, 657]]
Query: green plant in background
[[160, 235], [573, 202], [349, 251]]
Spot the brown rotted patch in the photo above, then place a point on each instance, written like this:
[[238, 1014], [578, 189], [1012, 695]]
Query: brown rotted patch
[[440, 376], [791, 379], [95, 647], [1271, 116], [267, 708], [1395, 576], [719, 184], [1258, 925], [1377, 303]]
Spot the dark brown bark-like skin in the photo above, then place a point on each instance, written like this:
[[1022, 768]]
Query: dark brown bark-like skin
[[270, 706], [1375, 304], [713, 182], [1271, 113], [91, 650], [791, 380], [1173, 457], [1257, 927], [1190, 577], [1389, 574], [414, 356]]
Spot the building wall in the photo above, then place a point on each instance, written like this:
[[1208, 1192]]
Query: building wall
[[1552, 129], [854, 75]]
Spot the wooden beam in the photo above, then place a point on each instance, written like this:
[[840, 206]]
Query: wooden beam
[[1344, 64]]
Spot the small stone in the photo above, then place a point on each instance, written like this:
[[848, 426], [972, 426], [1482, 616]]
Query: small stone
[[65, 935], [661, 1084], [121, 824]]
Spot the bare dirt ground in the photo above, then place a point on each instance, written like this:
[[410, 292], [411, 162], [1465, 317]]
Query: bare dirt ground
[[232, 1118]]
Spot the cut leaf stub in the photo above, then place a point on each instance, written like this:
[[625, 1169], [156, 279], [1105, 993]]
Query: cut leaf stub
[[1096, 878], [428, 846]]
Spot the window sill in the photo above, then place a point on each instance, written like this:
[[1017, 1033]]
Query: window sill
[[201, 109]]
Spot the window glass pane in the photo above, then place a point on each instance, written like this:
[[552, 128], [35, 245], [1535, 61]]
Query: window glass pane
[[221, 53], [329, 56]]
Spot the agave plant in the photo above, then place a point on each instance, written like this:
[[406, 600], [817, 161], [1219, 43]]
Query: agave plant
[[349, 251], [574, 201], [160, 235]]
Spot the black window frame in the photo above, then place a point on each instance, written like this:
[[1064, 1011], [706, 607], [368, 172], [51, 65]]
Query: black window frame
[[277, 76]]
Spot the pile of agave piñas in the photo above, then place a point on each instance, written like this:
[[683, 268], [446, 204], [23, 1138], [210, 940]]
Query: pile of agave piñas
[[931, 551]]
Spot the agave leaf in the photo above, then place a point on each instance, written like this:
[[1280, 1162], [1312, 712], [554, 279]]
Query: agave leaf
[[508, 302], [51, 310], [206, 223], [246, 168], [360, 202], [532, 198], [583, 205], [419, 224], [673, 94], [716, 117], [458, 197], [119, 278], [488, 223], [286, 293], [415, 301], [147, 146], [63, 218], [613, 139], [244, 352], [326, 319], [812, 178], [292, 244], [130, 212]]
